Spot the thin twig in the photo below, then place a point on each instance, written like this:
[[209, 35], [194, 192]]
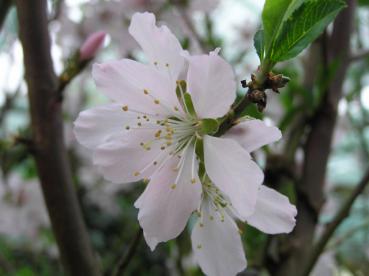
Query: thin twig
[[8, 104], [333, 225], [126, 258], [346, 235], [57, 10], [359, 56], [184, 16]]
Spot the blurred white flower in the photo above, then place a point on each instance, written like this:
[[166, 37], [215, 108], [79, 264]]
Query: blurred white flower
[[22, 209]]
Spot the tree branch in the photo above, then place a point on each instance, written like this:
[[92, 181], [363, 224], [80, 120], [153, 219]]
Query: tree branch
[[187, 21], [333, 225], [359, 56], [310, 187], [50, 156], [126, 258]]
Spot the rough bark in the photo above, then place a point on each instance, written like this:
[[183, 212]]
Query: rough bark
[[50, 154], [310, 188]]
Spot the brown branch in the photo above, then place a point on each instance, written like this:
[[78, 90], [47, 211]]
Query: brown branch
[[333, 225], [126, 258], [47, 130]]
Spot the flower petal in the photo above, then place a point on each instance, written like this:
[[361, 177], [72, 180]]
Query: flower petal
[[123, 159], [211, 83], [138, 86], [231, 169], [217, 244], [96, 125], [274, 213], [169, 199], [159, 44], [253, 134]]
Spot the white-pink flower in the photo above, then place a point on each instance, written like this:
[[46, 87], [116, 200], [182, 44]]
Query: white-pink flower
[[159, 128]]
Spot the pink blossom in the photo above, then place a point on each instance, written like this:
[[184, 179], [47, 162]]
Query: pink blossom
[[154, 130]]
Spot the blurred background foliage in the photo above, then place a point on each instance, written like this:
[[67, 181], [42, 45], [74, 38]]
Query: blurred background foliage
[[27, 246]]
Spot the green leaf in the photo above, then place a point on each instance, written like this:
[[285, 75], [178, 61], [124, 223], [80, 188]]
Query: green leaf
[[364, 2], [259, 44], [275, 12], [304, 25]]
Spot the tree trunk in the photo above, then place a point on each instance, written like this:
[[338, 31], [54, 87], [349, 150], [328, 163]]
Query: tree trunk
[[310, 187], [50, 154]]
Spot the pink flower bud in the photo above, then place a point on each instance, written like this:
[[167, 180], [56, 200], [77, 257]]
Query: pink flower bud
[[91, 45]]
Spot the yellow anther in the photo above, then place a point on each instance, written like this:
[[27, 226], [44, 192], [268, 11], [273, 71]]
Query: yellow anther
[[157, 134], [127, 127], [173, 186], [136, 173], [169, 143], [125, 108], [139, 124], [176, 108], [157, 102], [145, 180], [146, 91], [193, 180]]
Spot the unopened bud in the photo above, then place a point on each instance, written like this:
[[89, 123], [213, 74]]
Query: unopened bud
[[91, 45]]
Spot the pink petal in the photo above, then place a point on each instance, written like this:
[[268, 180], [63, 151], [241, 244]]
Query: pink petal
[[159, 44], [169, 199], [231, 169], [211, 83], [137, 86], [253, 134], [95, 126], [122, 159], [274, 213], [216, 244]]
